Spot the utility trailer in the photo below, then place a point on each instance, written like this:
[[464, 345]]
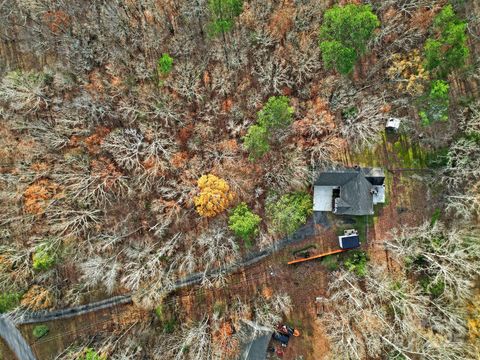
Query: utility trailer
[[348, 241]]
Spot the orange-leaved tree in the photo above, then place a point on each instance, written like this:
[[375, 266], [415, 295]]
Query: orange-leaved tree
[[38, 195], [214, 196]]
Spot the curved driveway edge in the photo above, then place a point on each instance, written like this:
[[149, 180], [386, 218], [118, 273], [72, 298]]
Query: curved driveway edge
[[14, 340]]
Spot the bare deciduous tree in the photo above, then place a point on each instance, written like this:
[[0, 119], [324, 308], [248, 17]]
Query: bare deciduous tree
[[387, 314], [289, 172], [363, 127], [269, 312], [448, 256], [126, 147], [193, 342], [25, 92], [102, 271]]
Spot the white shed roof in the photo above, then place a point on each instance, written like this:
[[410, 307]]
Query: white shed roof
[[322, 198], [379, 195], [393, 123]]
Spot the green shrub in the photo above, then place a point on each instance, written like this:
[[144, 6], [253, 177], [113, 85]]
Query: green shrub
[[256, 142], [91, 354], [9, 301], [432, 288], [437, 159], [223, 13], [40, 331], [43, 258], [447, 50], [344, 35], [289, 212], [356, 262], [244, 223], [169, 325], [165, 64], [436, 104]]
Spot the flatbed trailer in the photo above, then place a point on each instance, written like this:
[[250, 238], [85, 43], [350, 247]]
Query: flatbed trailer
[[317, 256]]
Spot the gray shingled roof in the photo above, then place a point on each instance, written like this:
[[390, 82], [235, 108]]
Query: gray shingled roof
[[355, 189], [256, 342], [335, 178]]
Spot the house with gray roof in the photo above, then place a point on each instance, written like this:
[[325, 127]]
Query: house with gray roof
[[349, 191], [255, 340]]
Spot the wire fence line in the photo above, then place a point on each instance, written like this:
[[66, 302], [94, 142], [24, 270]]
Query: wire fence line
[[307, 230], [18, 344]]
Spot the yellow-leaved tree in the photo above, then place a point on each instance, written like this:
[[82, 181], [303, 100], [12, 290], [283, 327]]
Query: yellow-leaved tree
[[214, 197]]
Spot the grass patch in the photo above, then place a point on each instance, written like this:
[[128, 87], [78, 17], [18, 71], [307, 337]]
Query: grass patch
[[362, 223], [331, 262], [159, 312], [369, 157], [409, 155], [435, 216], [167, 320], [359, 223], [200, 297], [40, 331]]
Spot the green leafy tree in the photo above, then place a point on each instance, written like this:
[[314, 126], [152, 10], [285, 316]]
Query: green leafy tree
[[344, 35], [447, 50], [244, 223], [165, 64], [335, 55], [289, 212], [223, 13], [276, 113], [437, 103], [256, 142]]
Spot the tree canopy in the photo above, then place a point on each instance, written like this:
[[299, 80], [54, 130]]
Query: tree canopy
[[289, 212], [223, 13], [276, 114], [244, 223], [344, 35], [447, 49], [214, 197]]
